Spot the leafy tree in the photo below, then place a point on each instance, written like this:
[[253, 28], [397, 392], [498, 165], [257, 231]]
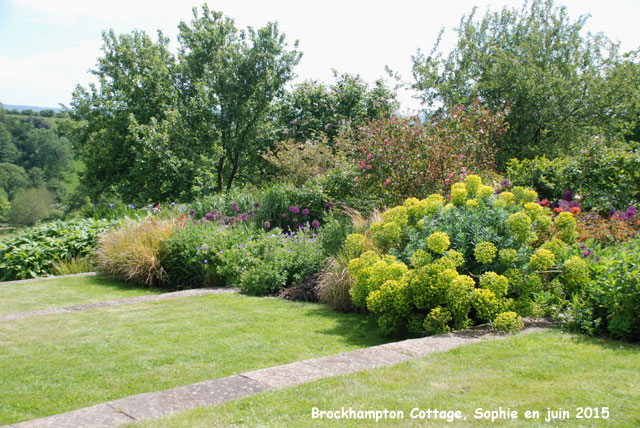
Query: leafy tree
[[13, 179], [5, 205], [47, 152], [157, 125], [313, 109], [555, 81], [8, 151], [135, 85], [238, 74], [30, 206]]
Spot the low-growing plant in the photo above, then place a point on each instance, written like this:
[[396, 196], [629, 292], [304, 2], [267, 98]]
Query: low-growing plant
[[74, 265], [607, 298], [132, 252], [334, 285], [34, 251], [508, 322]]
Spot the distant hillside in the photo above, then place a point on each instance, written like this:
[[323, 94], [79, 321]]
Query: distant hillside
[[33, 108]]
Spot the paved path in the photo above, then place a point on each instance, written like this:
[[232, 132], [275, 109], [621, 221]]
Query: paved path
[[155, 404], [127, 301]]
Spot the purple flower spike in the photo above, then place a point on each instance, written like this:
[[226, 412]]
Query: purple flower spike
[[505, 183], [329, 206], [567, 196], [305, 211]]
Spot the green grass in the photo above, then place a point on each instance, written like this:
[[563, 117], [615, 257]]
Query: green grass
[[53, 364], [528, 372], [52, 293]]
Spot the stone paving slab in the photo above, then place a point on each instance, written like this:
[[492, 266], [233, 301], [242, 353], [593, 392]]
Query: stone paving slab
[[155, 404], [355, 361], [208, 393], [288, 374], [100, 416], [118, 302]]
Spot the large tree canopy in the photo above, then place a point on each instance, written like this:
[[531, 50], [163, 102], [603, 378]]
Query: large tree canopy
[[156, 125], [558, 84]]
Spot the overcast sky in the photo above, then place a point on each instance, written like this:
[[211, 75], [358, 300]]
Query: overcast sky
[[47, 46]]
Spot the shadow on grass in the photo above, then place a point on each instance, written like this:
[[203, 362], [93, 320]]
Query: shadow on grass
[[605, 343], [120, 285], [354, 328]]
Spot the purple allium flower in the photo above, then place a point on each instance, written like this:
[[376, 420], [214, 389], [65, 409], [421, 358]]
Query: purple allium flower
[[285, 215], [305, 211], [587, 253], [293, 209], [243, 217], [630, 213], [315, 224], [235, 207], [329, 206], [209, 216], [299, 225], [192, 212], [206, 261], [256, 205], [567, 196], [266, 224]]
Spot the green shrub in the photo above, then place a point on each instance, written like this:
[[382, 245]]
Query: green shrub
[[609, 303], [35, 251], [509, 322], [437, 321], [449, 249], [262, 279], [283, 206], [605, 178], [5, 205], [131, 252], [30, 206]]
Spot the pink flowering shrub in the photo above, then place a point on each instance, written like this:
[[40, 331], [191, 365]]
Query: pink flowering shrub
[[400, 158]]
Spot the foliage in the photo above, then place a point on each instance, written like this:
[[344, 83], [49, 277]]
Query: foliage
[[30, 206], [182, 124], [557, 83], [335, 284], [605, 179], [509, 322], [609, 303], [400, 158], [131, 252], [313, 110], [74, 265], [34, 251], [289, 207], [607, 230], [429, 267], [5, 205], [299, 162]]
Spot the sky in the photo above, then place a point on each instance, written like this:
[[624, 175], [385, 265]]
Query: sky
[[47, 47]]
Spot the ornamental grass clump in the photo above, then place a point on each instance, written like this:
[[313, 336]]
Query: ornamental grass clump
[[429, 266], [132, 252]]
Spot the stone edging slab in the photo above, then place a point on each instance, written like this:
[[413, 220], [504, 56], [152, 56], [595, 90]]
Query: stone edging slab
[[155, 404], [118, 302]]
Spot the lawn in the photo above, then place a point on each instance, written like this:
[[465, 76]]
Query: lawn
[[57, 363], [52, 293], [527, 372]]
